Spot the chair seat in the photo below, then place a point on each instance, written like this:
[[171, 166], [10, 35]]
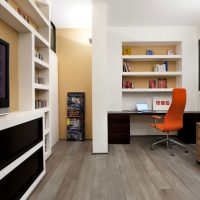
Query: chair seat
[[158, 126]]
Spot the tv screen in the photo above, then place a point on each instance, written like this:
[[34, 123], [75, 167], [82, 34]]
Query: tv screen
[[4, 74]]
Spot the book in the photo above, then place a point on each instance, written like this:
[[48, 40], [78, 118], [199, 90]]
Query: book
[[152, 83], [126, 51], [126, 66], [162, 83]]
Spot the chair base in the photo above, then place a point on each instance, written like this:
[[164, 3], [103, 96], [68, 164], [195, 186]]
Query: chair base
[[170, 143]]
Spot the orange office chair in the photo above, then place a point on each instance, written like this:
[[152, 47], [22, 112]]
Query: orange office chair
[[173, 120]]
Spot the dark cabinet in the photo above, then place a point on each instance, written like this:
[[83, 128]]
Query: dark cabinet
[[119, 126], [188, 133], [118, 129]]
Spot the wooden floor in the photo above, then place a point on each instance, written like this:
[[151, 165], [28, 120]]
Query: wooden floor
[[131, 172]]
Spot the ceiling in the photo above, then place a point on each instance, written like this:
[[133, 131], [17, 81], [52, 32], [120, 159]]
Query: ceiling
[[153, 12], [71, 13], [78, 13]]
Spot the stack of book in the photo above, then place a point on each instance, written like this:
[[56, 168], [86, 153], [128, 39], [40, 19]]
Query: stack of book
[[40, 103], [127, 84], [161, 67], [162, 83], [126, 66]]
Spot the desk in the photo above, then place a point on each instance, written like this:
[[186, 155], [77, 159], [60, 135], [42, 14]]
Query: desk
[[119, 126]]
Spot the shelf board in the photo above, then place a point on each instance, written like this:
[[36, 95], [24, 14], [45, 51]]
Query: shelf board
[[45, 109], [41, 86], [130, 90], [34, 12], [42, 2], [154, 74], [150, 43], [151, 57], [40, 41], [40, 64], [11, 17], [46, 131], [47, 154]]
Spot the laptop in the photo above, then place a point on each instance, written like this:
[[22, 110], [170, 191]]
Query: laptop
[[143, 107]]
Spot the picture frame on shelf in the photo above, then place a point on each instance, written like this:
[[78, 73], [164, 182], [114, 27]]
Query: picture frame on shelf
[[161, 103]]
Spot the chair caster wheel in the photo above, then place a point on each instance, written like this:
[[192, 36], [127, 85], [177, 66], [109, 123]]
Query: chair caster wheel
[[172, 153], [197, 162], [186, 151], [152, 148]]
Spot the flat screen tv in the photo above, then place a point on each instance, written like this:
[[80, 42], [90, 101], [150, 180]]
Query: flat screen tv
[[4, 77]]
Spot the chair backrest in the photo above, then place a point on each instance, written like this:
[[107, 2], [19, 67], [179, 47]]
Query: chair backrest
[[174, 117]]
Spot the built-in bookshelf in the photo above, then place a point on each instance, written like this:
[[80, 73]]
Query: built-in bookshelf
[[140, 68], [31, 20], [150, 68]]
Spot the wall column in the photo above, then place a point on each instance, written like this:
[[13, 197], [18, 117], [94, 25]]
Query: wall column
[[99, 78]]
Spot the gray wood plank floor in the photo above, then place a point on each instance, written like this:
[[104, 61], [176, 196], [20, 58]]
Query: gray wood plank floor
[[131, 172]]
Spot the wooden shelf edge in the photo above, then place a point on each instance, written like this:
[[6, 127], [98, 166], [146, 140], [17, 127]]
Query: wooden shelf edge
[[32, 9], [41, 64], [146, 90], [41, 86], [151, 73]]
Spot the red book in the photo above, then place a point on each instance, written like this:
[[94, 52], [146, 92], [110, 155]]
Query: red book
[[152, 83], [162, 83]]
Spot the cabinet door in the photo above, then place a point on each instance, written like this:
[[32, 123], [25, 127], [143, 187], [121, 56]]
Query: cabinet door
[[188, 133], [118, 129]]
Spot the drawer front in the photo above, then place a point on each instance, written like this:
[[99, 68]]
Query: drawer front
[[119, 139], [119, 128], [118, 119]]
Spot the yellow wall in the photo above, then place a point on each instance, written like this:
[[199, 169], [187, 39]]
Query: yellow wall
[[11, 36], [75, 73]]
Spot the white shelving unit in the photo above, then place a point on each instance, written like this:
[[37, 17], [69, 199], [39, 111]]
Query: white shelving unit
[[33, 10], [41, 87], [32, 38], [152, 57], [141, 70], [40, 64], [147, 90], [154, 74]]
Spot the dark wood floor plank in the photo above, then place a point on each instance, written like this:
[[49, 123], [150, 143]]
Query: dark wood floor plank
[[146, 186], [114, 179], [68, 186], [99, 181], [155, 175], [175, 181], [131, 172], [83, 187], [130, 185]]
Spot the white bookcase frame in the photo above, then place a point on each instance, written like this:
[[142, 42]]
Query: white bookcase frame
[[31, 39], [139, 93]]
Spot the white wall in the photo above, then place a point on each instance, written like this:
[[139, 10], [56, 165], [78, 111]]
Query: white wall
[[116, 35], [99, 79], [188, 37], [111, 100], [53, 63]]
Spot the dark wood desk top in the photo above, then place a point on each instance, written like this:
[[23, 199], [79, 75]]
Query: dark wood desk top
[[135, 112]]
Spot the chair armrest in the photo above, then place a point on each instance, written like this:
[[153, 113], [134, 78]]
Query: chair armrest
[[155, 118]]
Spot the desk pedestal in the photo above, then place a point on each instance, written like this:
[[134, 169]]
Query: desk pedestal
[[119, 129], [119, 126]]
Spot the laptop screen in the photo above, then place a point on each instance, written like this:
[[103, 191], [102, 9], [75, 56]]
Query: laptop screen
[[142, 106]]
